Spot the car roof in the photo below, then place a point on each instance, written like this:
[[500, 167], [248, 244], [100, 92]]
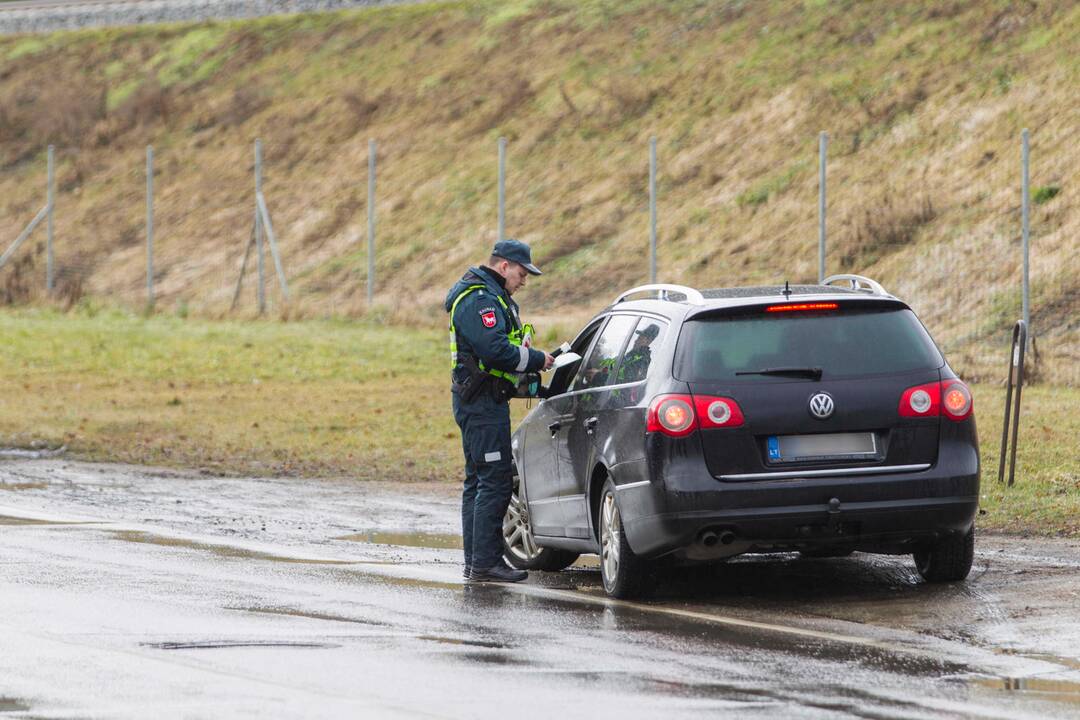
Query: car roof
[[733, 297]]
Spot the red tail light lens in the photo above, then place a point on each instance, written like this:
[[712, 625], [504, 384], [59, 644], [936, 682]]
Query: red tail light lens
[[717, 412], [950, 398], [957, 402], [672, 415]]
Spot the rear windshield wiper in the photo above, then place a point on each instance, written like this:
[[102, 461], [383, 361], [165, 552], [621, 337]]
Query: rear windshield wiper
[[814, 373]]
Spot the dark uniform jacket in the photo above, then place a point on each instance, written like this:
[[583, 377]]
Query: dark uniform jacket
[[482, 325]]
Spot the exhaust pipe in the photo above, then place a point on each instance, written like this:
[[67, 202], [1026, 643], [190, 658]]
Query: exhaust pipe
[[712, 538]]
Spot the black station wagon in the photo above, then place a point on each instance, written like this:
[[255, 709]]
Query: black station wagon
[[699, 425]]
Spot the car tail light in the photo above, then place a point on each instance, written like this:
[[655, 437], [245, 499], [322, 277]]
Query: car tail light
[[956, 400], [950, 398], [717, 412], [921, 401], [672, 415]]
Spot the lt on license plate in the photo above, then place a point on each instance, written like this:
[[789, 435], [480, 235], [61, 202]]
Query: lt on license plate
[[797, 448]]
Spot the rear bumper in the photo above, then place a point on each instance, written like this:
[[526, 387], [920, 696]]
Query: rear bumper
[[884, 512], [888, 526]]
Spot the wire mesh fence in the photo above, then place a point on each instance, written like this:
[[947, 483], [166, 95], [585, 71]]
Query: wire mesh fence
[[943, 233]]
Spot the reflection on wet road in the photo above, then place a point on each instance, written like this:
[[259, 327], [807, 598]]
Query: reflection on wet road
[[125, 593]]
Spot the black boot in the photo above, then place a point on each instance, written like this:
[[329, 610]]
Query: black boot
[[499, 572]]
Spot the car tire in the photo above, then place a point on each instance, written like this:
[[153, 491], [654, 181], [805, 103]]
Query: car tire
[[948, 559], [519, 546], [624, 574]]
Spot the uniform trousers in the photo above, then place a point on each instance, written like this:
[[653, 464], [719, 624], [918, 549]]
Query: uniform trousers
[[489, 476]]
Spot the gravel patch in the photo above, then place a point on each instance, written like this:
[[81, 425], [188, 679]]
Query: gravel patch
[[45, 17]]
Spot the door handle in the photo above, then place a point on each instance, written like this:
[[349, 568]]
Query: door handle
[[590, 424], [554, 428]]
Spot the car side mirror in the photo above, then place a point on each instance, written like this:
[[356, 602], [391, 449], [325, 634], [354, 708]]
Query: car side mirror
[[564, 359], [561, 372]]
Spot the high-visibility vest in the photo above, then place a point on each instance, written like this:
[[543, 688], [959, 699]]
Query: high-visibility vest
[[516, 336]]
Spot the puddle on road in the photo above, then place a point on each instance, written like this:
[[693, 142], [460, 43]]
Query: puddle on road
[[1045, 688], [24, 486], [12, 520], [492, 658], [227, 551], [225, 644], [442, 639], [12, 705], [406, 539], [491, 644], [410, 582], [291, 612], [1045, 657]]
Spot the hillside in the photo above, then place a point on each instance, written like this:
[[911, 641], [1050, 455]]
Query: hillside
[[924, 104]]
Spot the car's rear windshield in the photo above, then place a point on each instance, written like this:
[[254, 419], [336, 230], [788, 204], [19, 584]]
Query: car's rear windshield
[[843, 343]]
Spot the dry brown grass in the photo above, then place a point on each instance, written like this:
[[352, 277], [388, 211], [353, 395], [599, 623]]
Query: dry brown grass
[[880, 227], [923, 106]]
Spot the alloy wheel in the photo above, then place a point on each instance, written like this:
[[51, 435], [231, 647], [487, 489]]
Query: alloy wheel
[[517, 532], [610, 539]]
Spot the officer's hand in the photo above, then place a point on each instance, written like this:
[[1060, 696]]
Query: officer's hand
[[548, 361]]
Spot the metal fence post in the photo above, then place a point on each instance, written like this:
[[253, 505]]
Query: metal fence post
[[150, 226], [502, 188], [50, 203], [652, 209], [258, 229], [372, 150], [1026, 219], [823, 146]]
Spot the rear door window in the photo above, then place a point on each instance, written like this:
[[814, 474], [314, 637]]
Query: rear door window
[[601, 366], [843, 343], [647, 338]]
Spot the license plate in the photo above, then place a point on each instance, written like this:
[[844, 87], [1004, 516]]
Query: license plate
[[829, 446]]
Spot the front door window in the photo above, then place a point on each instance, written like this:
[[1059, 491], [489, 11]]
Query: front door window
[[601, 367]]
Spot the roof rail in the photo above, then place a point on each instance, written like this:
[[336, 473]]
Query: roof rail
[[857, 283], [692, 296]]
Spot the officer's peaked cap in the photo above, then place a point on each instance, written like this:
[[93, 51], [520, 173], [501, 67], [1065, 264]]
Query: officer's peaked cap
[[650, 331], [516, 251]]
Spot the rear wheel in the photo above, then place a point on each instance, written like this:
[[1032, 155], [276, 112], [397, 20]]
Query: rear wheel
[[625, 574], [519, 545], [948, 559]]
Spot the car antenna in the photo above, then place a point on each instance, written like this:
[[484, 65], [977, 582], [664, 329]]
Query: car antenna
[[787, 290]]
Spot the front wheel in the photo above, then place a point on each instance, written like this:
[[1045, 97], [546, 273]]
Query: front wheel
[[519, 545], [625, 574], [948, 559]]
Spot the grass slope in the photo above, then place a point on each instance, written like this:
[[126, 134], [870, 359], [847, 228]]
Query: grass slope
[[924, 104], [355, 400]]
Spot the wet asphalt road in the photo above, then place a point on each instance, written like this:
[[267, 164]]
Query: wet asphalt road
[[133, 593]]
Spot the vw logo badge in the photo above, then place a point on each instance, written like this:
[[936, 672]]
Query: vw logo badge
[[821, 406]]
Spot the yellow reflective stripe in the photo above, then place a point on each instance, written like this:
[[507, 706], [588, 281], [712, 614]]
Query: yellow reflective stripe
[[459, 298], [514, 335], [453, 332]]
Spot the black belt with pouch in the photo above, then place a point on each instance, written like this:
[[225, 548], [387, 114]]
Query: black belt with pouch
[[477, 381]]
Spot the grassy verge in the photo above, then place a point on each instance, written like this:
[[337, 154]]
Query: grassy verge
[[1046, 497], [357, 400], [313, 398]]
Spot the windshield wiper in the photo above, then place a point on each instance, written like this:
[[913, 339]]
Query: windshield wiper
[[814, 373]]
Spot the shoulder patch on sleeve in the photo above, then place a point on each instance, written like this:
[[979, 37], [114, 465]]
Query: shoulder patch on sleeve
[[487, 316]]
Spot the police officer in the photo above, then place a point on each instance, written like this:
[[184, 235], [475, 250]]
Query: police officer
[[488, 354], [635, 365]]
